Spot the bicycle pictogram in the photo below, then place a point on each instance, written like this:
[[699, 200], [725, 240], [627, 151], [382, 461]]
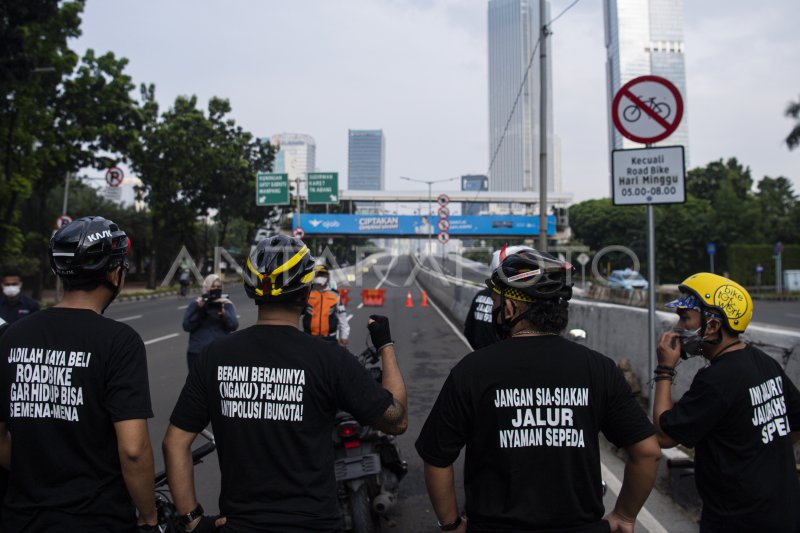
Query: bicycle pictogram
[[633, 112]]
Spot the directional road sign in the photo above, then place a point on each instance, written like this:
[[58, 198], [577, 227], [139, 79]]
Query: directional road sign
[[272, 189], [114, 176], [648, 176], [323, 187], [647, 109]]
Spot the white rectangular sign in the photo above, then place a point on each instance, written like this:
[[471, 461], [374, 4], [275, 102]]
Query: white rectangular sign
[[112, 194], [644, 176]]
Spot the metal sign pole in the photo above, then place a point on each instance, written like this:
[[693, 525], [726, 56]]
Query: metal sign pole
[[651, 297]]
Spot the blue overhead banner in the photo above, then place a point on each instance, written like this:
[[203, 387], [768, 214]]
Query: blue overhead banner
[[415, 225]]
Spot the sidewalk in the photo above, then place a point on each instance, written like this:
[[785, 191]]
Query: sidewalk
[[134, 290]]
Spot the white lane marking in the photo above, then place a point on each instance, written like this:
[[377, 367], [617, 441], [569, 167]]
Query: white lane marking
[[159, 339], [183, 306], [447, 320], [615, 485], [388, 271], [125, 319], [359, 306], [349, 317]]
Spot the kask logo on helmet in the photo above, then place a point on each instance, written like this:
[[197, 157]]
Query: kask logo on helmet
[[99, 235]]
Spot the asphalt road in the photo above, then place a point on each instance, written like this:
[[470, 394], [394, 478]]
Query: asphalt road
[[428, 345]]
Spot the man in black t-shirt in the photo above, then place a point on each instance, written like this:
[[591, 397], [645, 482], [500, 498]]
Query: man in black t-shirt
[[740, 413], [74, 399], [271, 393], [529, 409]]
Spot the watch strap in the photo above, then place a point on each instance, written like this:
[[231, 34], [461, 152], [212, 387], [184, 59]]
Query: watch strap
[[450, 527], [187, 518]]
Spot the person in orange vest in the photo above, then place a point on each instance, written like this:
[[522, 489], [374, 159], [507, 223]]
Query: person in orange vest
[[324, 315]]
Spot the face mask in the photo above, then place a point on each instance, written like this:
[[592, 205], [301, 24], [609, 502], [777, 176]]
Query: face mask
[[691, 342], [12, 291]]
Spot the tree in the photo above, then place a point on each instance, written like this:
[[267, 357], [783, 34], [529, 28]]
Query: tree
[[793, 111], [60, 113], [776, 204], [194, 165]]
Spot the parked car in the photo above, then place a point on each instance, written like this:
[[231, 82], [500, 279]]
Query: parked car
[[627, 279]]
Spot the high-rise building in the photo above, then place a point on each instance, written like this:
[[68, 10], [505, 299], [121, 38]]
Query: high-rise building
[[514, 136], [474, 182], [645, 37], [366, 162], [296, 156]]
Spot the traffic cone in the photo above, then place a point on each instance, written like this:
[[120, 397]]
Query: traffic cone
[[409, 302], [424, 299]]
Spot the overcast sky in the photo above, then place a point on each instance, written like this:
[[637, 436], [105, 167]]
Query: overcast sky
[[418, 70]]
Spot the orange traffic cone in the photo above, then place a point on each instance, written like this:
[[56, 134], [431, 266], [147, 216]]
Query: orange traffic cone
[[409, 302], [424, 299]]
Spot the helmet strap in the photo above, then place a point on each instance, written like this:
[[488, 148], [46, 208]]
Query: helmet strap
[[114, 290]]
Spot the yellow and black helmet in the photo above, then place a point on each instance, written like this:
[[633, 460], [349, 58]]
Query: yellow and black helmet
[[723, 297], [278, 269]]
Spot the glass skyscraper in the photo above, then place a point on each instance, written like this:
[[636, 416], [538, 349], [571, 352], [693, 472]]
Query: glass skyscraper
[[366, 160], [514, 28], [297, 155], [645, 37]]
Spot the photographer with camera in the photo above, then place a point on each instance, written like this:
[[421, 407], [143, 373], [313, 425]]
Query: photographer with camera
[[211, 316]]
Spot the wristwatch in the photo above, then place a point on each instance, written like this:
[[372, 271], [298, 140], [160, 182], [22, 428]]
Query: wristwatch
[[187, 518], [450, 527]]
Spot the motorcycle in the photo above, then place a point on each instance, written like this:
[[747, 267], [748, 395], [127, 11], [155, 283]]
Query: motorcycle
[[367, 464]]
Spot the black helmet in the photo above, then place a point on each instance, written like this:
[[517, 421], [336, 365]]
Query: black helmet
[[88, 248], [530, 275], [278, 269]]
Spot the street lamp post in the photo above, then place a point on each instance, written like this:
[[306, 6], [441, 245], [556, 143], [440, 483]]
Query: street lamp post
[[429, 183]]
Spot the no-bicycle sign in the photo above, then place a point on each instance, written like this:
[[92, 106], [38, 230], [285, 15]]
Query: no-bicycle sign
[[647, 109]]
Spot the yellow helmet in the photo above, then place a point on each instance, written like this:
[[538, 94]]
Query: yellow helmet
[[722, 295]]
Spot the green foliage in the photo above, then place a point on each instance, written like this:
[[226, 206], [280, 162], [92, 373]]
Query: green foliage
[[58, 113], [721, 207], [195, 165], [742, 260], [793, 111]]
